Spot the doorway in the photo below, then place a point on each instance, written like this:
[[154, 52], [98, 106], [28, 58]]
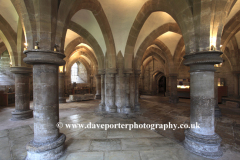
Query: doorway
[[162, 85]]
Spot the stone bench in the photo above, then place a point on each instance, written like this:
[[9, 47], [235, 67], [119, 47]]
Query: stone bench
[[231, 102], [80, 97]]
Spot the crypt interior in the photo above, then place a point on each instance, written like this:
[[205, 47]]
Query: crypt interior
[[119, 61]]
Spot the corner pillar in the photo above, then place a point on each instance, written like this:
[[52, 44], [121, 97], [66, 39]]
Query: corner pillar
[[22, 94], [48, 143], [203, 141]]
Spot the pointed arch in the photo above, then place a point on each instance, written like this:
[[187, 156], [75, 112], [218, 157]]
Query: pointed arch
[[179, 10]]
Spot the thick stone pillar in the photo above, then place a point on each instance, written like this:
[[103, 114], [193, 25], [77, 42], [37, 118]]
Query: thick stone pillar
[[102, 104], [217, 109], [137, 77], [48, 143], [173, 88], [22, 93], [203, 141], [127, 108], [61, 84], [98, 86], [110, 91]]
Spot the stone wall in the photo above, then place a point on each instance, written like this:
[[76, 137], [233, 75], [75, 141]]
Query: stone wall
[[149, 84], [7, 78]]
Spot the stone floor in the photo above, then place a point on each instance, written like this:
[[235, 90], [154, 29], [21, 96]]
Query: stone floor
[[116, 144]]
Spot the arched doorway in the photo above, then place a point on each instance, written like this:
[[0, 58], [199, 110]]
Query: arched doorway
[[162, 85]]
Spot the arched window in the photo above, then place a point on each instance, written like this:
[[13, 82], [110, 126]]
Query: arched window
[[79, 73], [74, 73]]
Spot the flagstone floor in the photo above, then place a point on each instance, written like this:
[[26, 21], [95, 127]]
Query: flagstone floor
[[120, 144]]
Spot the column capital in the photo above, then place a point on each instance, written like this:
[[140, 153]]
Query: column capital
[[137, 72], [44, 57], [111, 71], [172, 74], [61, 74], [98, 75], [128, 71], [101, 71], [21, 70], [207, 57], [203, 61]]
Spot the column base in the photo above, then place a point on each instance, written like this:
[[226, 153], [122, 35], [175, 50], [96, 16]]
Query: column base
[[62, 100], [97, 96], [21, 115], [127, 110], [203, 145], [217, 111], [101, 107], [137, 108], [111, 109], [173, 99], [49, 151]]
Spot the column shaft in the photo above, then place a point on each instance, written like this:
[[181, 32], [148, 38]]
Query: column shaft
[[173, 89], [127, 108], [22, 94], [102, 104], [98, 87], [61, 81], [110, 93], [137, 105], [217, 109]]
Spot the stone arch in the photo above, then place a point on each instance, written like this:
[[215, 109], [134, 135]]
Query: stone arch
[[80, 59], [90, 40], [179, 10], [9, 38], [2, 48], [66, 11], [230, 29], [157, 77], [173, 27], [179, 53], [26, 13], [73, 44], [158, 54], [89, 55]]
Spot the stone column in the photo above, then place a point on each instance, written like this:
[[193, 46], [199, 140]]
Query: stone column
[[48, 143], [217, 109], [102, 104], [173, 88], [127, 108], [137, 77], [22, 93], [110, 91], [98, 86], [148, 80], [61, 83], [91, 84], [235, 81], [167, 93], [202, 141]]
